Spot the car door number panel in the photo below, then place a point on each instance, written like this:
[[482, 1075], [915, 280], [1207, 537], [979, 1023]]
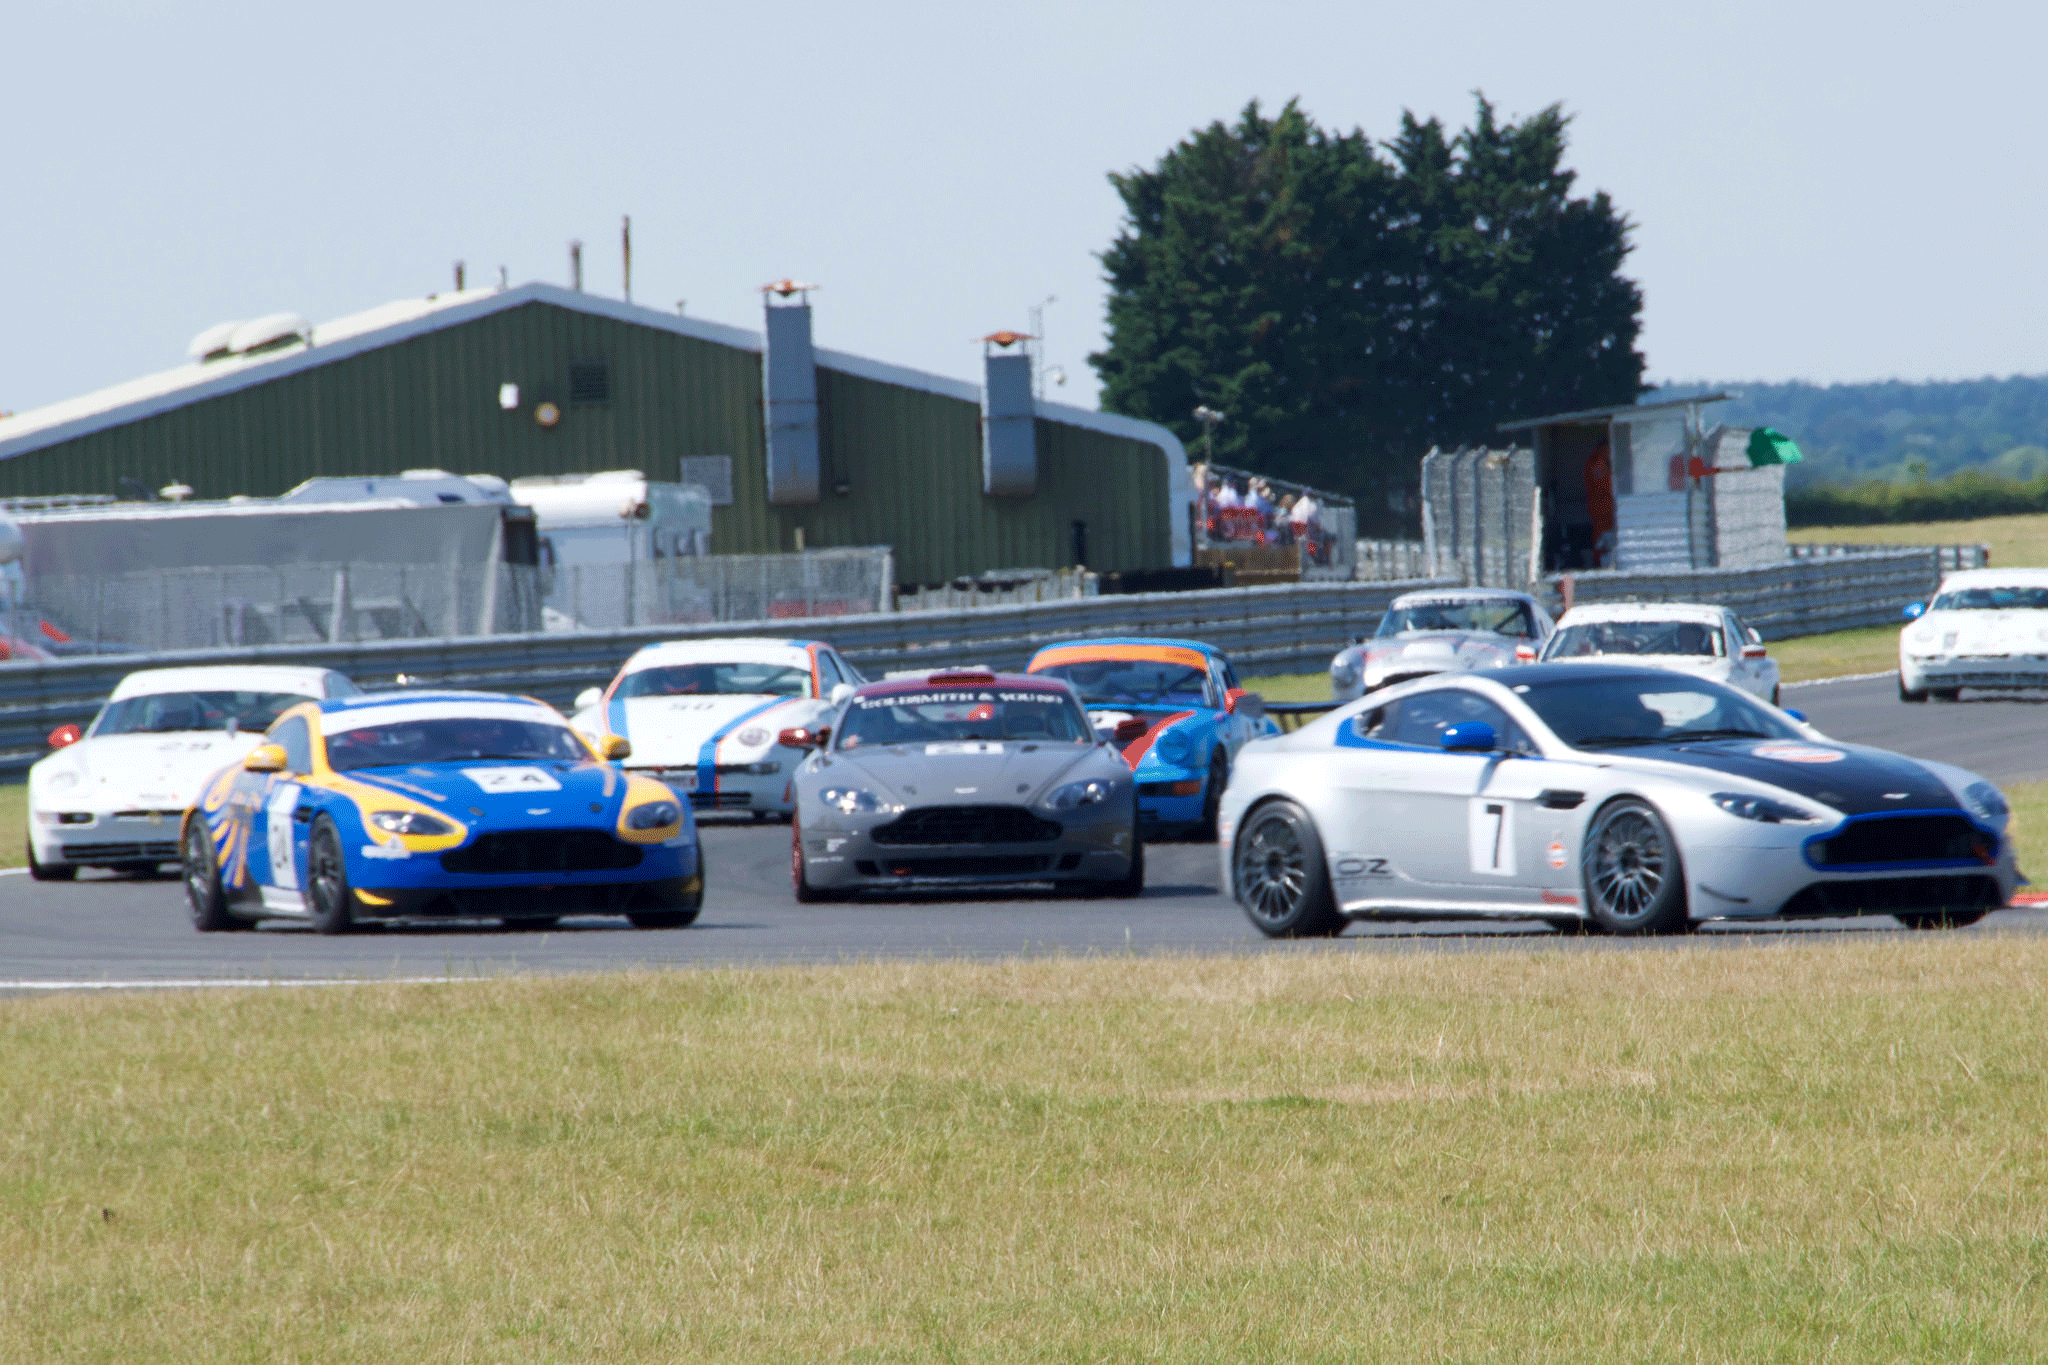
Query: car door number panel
[[284, 871], [1490, 836]]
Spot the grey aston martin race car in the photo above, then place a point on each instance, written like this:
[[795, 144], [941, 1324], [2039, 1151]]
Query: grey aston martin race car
[[1442, 630], [1600, 797], [963, 779]]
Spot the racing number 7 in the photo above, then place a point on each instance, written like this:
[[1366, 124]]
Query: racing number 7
[[1491, 838]]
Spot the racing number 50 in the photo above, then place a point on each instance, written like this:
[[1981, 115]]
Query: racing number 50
[[1491, 837]]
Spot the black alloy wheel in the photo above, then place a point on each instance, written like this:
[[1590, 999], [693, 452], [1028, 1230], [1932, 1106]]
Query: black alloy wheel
[[806, 894], [43, 872], [1633, 880], [204, 895], [1212, 796], [327, 888], [1905, 695], [1279, 875]]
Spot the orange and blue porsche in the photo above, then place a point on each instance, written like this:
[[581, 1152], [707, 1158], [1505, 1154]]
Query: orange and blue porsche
[[1175, 710], [459, 805]]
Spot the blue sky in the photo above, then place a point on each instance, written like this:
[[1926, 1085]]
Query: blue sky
[[1821, 192]]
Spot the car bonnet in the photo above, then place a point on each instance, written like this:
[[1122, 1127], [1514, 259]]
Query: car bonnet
[[1850, 778], [505, 791], [956, 773]]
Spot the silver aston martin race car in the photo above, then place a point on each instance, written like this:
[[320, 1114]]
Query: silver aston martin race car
[[963, 779], [1599, 797]]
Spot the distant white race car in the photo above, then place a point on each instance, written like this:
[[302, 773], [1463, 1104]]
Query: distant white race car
[[1985, 628], [113, 794], [1442, 630], [1706, 641], [705, 716]]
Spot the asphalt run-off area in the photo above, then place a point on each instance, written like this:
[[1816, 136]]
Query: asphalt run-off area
[[109, 931]]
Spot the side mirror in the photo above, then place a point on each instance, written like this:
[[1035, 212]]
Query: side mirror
[[1239, 702], [1755, 652], [800, 738], [1915, 610], [840, 692], [589, 697], [1799, 716], [1525, 654], [612, 748], [265, 758], [1471, 736], [65, 735], [1128, 731]]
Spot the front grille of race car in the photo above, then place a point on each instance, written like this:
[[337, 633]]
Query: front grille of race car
[[967, 825], [81, 853], [1890, 895], [1016, 865], [722, 800], [512, 851], [1878, 840]]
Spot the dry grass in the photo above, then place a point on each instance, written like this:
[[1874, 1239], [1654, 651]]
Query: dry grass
[[1835, 1148], [14, 824], [2014, 541]]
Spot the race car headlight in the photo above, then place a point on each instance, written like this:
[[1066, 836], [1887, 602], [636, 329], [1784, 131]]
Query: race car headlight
[[409, 822], [1079, 794], [853, 800], [1986, 802], [654, 815], [1762, 808], [63, 782], [1176, 746], [1344, 671]]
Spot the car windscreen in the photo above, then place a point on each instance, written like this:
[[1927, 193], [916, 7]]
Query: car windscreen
[[942, 715], [1502, 616], [1134, 682], [1613, 713], [716, 680], [1592, 638], [1993, 599], [164, 712], [451, 739]]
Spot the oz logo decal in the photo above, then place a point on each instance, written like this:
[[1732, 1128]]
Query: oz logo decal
[[1490, 837], [1364, 867]]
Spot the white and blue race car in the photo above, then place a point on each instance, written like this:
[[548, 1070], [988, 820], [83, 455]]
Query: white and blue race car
[[705, 716], [1599, 797]]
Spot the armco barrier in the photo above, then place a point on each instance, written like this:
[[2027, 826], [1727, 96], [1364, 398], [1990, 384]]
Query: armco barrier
[[1272, 629], [1798, 597]]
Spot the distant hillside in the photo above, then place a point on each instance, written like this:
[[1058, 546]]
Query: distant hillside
[[1897, 432]]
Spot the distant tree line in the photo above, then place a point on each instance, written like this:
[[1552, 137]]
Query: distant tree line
[[1348, 304], [1896, 432], [1961, 496]]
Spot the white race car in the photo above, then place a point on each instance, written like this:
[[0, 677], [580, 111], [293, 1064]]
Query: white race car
[[1596, 796], [1441, 630], [1711, 642], [705, 716], [113, 794], [1985, 628]]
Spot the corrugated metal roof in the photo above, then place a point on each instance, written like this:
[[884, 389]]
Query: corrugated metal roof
[[1623, 410]]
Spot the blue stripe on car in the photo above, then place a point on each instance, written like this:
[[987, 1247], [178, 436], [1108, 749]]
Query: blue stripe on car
[[615, 717], [707, 757]]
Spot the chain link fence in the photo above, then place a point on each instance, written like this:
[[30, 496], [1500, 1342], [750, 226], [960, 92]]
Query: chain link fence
[[686, 591]]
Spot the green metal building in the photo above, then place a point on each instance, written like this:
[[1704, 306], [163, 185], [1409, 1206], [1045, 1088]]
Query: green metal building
[[545, 380]]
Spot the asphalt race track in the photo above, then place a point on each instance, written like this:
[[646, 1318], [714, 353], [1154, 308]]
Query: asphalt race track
[[112, 931]]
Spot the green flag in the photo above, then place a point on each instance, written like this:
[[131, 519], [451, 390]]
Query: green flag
[[1767, 445]]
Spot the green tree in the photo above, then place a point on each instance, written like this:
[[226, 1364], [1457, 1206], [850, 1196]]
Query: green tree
[[1351, 305]]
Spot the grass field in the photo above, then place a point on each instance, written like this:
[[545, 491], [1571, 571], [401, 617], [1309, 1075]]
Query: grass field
[[1831, 1149], [2014, 541]]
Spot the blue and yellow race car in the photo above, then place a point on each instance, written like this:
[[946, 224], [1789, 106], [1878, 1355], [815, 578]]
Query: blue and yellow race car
[[1175, 710], [439, 805]]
